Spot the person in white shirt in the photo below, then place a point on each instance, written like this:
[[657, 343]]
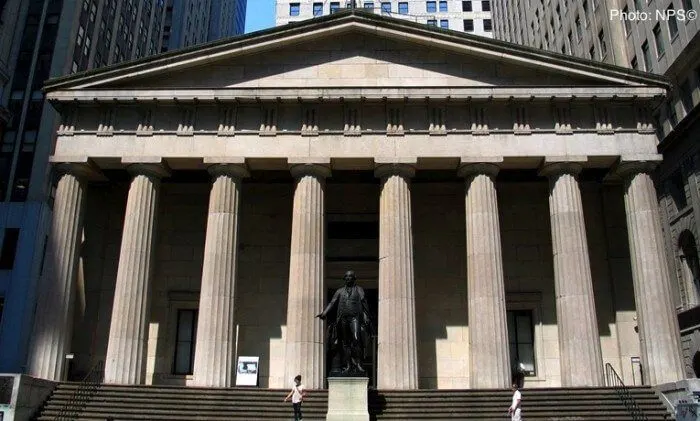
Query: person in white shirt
[[514, 409], [297, 394]]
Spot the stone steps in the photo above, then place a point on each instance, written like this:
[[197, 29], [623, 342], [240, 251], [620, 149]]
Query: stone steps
[[177, 403]]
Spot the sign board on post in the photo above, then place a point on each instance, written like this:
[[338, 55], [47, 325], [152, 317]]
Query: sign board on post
[[247, 371]]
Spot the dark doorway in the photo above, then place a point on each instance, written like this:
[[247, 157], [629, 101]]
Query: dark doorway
[[370, 366]]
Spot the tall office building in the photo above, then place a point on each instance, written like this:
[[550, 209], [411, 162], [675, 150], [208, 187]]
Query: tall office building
[[468, 16], [658, 36], [49, 38], [191, 22]]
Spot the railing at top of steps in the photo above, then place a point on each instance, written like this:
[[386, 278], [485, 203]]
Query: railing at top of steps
[[86, 389], [612, 379]]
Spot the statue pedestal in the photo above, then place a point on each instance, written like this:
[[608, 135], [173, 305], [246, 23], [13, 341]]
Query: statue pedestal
[[347, 399]]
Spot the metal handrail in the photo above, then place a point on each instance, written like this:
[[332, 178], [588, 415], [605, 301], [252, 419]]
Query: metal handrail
[[86, 390], [613, 380]]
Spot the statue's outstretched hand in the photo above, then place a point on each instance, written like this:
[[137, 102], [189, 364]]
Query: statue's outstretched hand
[[321, 316]]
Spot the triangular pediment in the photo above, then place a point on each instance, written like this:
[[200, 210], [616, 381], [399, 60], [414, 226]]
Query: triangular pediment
[[356, 49]]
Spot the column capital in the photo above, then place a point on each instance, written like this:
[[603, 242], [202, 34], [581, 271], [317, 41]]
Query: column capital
[[387, 170], [558, 168], [81, 167], [476, 168], [626, 169], [237, 171], [156, 171], [316, 170]]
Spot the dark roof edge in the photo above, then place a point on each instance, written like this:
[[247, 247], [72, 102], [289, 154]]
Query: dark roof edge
[[356, 15]]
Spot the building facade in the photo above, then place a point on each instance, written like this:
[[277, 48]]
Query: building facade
[[471, 16], [49, 38], [666, 42], [498, 217], [192, 22]]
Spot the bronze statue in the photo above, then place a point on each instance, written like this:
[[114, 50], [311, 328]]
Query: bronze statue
[[349, 335]]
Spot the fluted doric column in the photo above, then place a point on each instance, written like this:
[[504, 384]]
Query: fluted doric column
[[305, 353], [53, 325], [128, 332], [488, 329], [579, 343], [658, 326], [214, 359], [397, 348]]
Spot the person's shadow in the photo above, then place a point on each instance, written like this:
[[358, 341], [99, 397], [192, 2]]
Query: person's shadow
[[376, 402]]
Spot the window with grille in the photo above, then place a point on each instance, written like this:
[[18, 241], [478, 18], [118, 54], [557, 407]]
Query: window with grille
[[521, 341], [183, 361]]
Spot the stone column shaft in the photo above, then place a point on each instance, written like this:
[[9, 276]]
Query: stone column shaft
[[216, 333], [397, 347], [53, 325], [579, 342], [488, 330], [305, 352], [658, 325], [128, 334]]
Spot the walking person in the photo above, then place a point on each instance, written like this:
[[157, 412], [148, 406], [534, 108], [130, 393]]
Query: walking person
[[514, 409], [297, 394]]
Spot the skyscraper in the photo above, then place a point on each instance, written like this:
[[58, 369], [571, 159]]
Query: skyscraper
[[191, 22], [468, 16], [53, 38]]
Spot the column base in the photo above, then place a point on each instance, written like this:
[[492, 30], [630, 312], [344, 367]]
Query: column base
[[347, 399]]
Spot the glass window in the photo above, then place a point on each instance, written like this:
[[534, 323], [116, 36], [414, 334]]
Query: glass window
[[467, 6], [487, 25], [335, 6], [634, 63], [658, 40], [628, 27], [318, 9], [591, 53], [672, 23], [185, 341], [676, 187], [430, 7], [687, 5], [293, 9], [638, 5], [686, 96], [468, 25], [444, 23], [432, 22], [9, 248], [443, 6], [81, 34], [386, 7], [403, 8], [521, 340], [369, 5], [647, 57], [671, 115], [603, 44], [486, 5]]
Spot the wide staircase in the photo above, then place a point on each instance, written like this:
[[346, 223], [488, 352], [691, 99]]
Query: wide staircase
[[80, 401], [570, 404]]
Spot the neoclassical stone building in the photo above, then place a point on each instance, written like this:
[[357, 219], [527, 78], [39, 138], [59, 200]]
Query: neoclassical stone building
[[494, 200]]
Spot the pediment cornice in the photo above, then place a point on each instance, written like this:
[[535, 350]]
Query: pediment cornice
[[343, 24]]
